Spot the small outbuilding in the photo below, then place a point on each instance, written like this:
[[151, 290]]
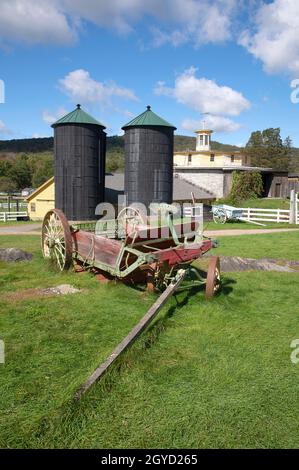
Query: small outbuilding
[[41, 200]]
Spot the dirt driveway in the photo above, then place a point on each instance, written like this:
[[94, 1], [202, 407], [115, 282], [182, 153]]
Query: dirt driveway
[[35, 229], [21, 229]]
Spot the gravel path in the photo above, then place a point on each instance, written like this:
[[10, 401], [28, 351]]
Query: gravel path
[[35, 229], [21, 229]]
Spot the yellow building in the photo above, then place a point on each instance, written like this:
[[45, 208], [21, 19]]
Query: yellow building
[[204, 157], [42, 200]]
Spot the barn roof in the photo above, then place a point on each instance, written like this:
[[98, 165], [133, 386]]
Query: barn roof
[[114, 184], [40, 189]]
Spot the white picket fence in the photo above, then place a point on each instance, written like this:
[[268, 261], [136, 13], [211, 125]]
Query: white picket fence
[[8, 216], [266, 215], [297, 209]]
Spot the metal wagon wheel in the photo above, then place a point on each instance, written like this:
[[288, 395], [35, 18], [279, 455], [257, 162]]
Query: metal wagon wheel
[[213, 283], [220, 217], [57, 242]]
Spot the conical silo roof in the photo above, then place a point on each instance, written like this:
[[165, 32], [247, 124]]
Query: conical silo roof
[[78, 116], [148, 118]]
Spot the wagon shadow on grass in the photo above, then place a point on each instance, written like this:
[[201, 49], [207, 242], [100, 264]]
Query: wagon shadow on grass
[[154, 331]]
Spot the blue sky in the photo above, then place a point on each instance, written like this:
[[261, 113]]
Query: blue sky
[[232, 59]]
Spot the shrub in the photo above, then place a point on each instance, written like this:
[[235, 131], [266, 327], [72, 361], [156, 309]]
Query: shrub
[[245, 185]]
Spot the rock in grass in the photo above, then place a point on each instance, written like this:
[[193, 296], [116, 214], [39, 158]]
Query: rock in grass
[[12, 255], [63, 289], [236, 264]]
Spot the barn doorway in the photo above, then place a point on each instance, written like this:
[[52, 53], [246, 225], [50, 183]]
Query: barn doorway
[[267, 182], [277, 191]]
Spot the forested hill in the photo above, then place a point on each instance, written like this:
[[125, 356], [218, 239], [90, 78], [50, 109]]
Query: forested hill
[[27, 145], [181, 142]]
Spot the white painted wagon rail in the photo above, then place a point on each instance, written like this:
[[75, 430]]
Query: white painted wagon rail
[[266, 215], [10, 216]]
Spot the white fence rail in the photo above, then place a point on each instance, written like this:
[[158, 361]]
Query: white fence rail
[[8, 216], [13, 205], [193, 211], [266, 215]]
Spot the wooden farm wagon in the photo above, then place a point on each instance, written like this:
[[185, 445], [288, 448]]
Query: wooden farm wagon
[[131, 249]]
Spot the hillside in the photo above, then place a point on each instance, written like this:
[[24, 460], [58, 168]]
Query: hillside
[[45, 144], [29, 162]]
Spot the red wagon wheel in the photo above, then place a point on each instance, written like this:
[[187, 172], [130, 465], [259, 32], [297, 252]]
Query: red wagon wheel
[[57, 242], [213, 277]]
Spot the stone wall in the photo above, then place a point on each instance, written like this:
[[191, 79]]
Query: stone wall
[[212, 181]]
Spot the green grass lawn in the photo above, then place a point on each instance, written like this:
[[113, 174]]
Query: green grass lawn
[[266, 203], [246, 226], [206, 374], [281, 245], [15, 222]]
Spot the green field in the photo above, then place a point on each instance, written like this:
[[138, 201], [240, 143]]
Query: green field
[[245, 226], [206, 374], [266, 203]]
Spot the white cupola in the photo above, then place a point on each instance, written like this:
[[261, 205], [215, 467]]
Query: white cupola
[[203, 140]]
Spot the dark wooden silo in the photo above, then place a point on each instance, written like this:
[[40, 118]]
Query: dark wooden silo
[[80, 149], [148, 159]]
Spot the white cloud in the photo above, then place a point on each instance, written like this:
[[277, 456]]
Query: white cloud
[[198, 22], [204, 95], [49, 117], [60, 21], [3, 129], [34, 21], [82, 88], [176, 37], [216, 123], [274, 39]]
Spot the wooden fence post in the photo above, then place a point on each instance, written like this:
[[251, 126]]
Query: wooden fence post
[[293, 207]]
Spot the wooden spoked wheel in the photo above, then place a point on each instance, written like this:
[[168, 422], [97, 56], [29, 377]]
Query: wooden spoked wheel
[[213, 283], [57, 242], [219, 217], [128, 219]]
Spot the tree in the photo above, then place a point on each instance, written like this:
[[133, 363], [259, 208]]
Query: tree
[[42, 172], [20, 172], [293, 157], [265, 148], [246, 185], [7, 185], [5, 168]]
